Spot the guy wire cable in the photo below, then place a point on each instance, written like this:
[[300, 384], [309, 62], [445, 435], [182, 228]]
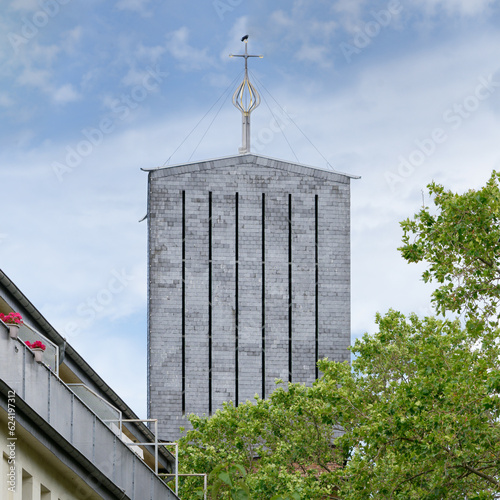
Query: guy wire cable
[[204, 116], [298, 128], [274, 116]]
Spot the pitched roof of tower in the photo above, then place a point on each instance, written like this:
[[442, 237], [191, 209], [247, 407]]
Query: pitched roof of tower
[[255, 159]]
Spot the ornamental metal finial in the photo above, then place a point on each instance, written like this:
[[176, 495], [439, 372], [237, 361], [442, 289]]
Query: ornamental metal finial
[[246, 99]]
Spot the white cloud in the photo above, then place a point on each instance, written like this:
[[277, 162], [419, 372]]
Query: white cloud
[[324, 29], [5, 100], [189, 57], [71, 38], [310, 41], [463, 7], [24, 5], [281, 18], [90, 78], [350, 13], [65, 93], [233, 45], [42, 54], [218, 80], [43, 80], [39, 78], [350, 7], [150, 54], [36, 67], [314, 54], [133, 5], [134, 77]]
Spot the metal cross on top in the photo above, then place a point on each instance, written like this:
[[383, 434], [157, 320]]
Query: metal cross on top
[[246, 99]]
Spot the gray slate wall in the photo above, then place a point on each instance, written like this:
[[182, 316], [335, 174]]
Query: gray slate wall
[[237, 186]]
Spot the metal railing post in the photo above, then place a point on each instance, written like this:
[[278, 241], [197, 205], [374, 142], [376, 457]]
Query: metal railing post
[[156, 447], [177, 468]]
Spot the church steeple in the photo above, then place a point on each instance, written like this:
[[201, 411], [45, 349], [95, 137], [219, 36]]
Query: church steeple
[[246, 99]]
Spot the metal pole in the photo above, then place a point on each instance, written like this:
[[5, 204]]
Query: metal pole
[[156, 447], [205, 487], [246, 99], [176, 468]]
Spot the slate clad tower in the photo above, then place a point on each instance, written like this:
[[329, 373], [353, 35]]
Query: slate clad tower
[[249, 281], [249, 276]]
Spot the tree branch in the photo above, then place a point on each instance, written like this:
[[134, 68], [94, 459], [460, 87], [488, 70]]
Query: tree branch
[[481, 474]]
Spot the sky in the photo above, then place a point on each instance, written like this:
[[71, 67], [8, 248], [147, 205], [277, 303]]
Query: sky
[[400, 93]]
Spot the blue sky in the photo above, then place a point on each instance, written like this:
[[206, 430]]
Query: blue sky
[[400, 93]]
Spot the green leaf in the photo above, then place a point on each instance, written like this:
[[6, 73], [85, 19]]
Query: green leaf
[[224, 476]]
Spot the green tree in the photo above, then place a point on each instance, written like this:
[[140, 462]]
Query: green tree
[[420, 405], [460, 240], [284, 444], [229, 479], [420, 408]]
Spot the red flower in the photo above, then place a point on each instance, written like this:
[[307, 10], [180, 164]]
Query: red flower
[[11, 318], [36, 345]]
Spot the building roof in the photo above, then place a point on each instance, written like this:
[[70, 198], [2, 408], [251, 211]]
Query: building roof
[[70, 356], [66, 350], [258, 160]]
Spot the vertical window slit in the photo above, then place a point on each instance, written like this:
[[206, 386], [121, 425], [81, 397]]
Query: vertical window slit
[[210, 303], [316, 281], [290, 288], [236, 307], [183, 348], [263, 295]]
